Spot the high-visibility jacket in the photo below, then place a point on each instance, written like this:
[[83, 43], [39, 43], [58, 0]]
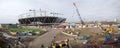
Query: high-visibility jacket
[[60, 45], [53, 46]]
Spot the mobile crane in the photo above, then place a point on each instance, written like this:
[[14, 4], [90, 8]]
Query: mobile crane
[[82, 22]]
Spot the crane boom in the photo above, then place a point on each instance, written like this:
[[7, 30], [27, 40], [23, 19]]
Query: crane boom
[[78, 14]]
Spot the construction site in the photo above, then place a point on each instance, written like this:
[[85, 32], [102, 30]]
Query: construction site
[[37, 29], [71, 36]]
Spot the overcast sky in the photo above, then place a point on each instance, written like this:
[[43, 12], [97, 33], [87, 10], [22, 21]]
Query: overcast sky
[[89, 9]]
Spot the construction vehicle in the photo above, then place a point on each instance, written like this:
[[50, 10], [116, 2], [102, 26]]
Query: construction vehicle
[[109, 29], [60, 44]]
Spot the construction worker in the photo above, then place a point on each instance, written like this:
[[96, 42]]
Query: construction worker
[[67, 43], [42, 46], [18, 38], [116, 39], [85, 41], [9, 46], [78, 33], [53, 46], [60, 45]]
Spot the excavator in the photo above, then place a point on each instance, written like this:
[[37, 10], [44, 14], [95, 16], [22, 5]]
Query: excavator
[[109, 29]]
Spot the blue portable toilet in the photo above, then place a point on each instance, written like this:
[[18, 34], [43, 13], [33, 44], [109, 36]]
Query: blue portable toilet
[[84, 37], [108, 37], [119, 27]]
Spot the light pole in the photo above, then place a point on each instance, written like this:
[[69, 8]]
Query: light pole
[[34, 12]]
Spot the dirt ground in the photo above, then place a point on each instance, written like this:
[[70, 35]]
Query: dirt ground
[[94, 34]]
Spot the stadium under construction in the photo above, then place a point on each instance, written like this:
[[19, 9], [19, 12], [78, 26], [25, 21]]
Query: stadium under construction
[[40, 18]]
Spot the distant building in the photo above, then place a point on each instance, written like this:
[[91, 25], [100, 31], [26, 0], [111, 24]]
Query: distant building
[[115, 20]]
